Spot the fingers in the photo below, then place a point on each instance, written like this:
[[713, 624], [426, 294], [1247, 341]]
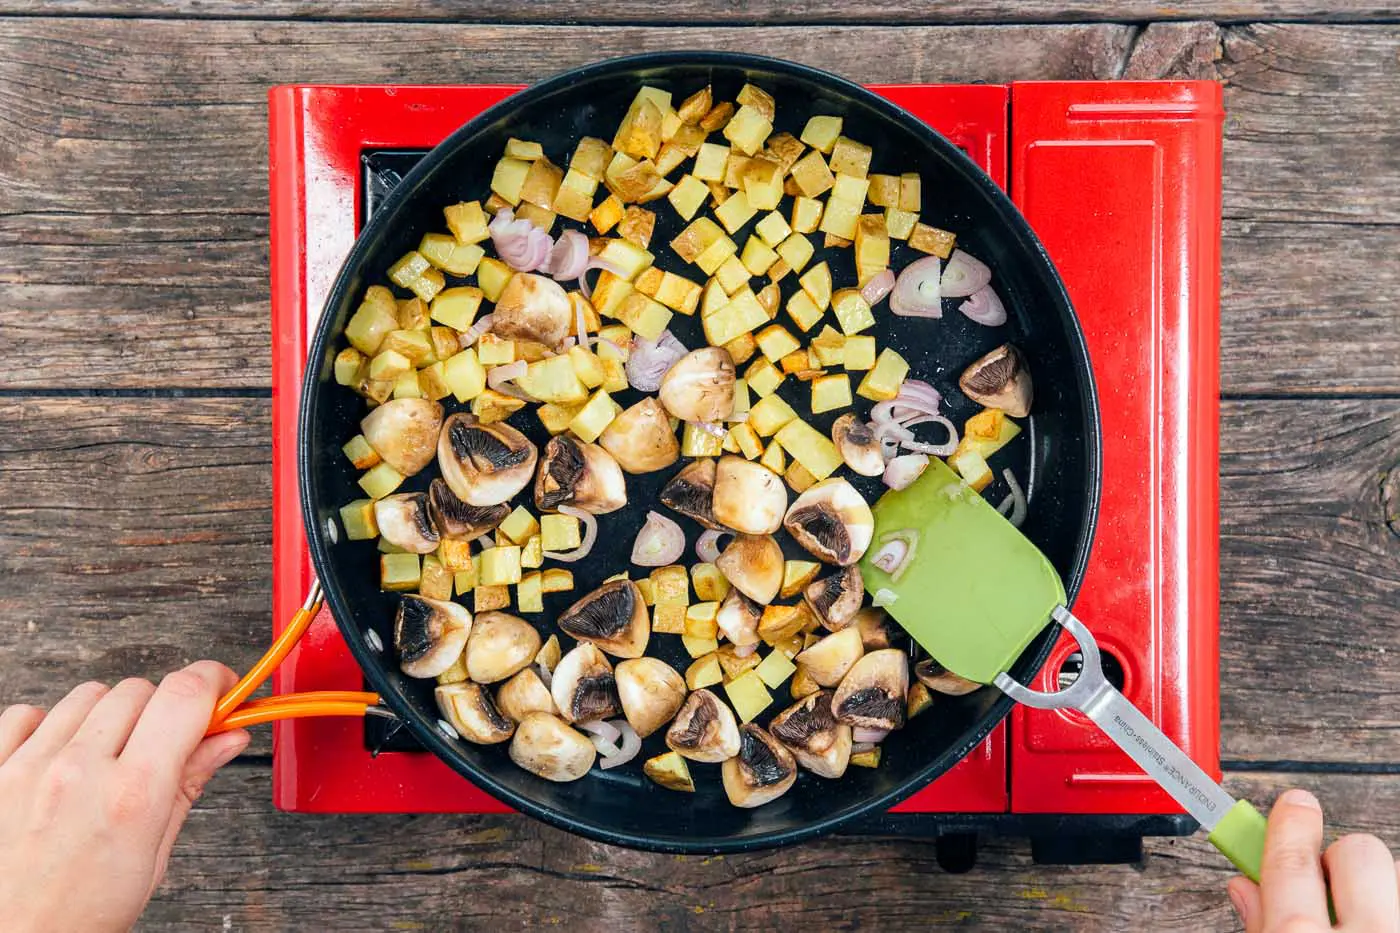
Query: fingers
[[1291, 872], [110, 723], [1244, 894], [173, 722], [17, 723], [211, 755], [1361, 874], [62, 722]]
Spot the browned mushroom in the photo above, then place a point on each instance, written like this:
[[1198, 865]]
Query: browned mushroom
[[1000, 380], [704, 729], [691, 492], [469, 709], [858, 445], [762, 771], [613, 617], [532, 307], [811, 731], [872, 694], [836, 599], [832, 521], [429, 635], [404, 432], [748, 497], [454, 519], [641, 438], [584, 476], [484, 464]]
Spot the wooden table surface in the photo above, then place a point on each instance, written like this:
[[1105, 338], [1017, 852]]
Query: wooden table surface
[[135, 421]]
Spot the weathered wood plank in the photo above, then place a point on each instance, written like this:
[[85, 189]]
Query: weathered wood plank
[[141, 528], [247, 867], [700, 12]]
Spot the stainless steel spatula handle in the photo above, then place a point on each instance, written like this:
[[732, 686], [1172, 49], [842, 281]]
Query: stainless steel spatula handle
[[1235, 827]]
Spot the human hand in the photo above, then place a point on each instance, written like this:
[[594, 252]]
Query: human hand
[[94, 792], [1296, 875]]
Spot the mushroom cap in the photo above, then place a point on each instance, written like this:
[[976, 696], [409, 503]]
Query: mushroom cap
[[832, 521], [737, 617], [405, 521], [641, 439], [613, 617], [454, 519], [877, 629], [651, 692], [471, 711], [938, 678], [700, 386], [532, 307], [691, 492], [1000, 379], [548, 747], [817, 739], [524, 693], [836, 599], [500, 645], [704, 730], [583, 685], [761, 772], [582, 475], [858, 445], [753, 564], [872, 694], [831, 658], [404, 432], [748, 497], [429, 634], [484, 464]]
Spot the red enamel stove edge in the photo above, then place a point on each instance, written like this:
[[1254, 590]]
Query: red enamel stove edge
[[1147, 153]]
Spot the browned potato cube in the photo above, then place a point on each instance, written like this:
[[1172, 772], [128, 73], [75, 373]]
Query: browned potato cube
[[689, 139], [539, 216], [638, 223], [649, 281], [635, 182], [694, 107], [785, 149], [831, 240], [758, 99], [640, 134], [541, 182], [413, 314], [910, 192], [769, 297], [493, 204], [591, 157], [791, 188], [573, 203], [670, 158], [811, 175], [735, 167], [742, 348], [884, 190], [490, 598], [717, 117], [718, 193], [932, 240], [678, 293], [849, 157], [606, 215]]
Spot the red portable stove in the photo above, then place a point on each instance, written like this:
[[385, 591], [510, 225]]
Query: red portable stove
[[1121, 180]]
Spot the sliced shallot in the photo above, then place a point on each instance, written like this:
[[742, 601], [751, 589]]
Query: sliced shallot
[[935, 450], [631, 745], [499, 379], [604, 736], [917, 290], [878, 287], [590, 535], [650, 359], [985, 307], [595, 262], [660, 542], [884, 597], [896, 551], [1015, 502], [963, 275], [520, 244], [470, 336], [868, 736], [569, 256], [901, 471], [707, 547]]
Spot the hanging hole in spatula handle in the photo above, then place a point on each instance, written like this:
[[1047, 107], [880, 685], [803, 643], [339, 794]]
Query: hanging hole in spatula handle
[[1090, 680]]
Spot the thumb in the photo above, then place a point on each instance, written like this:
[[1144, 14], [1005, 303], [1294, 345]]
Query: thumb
[[209, 756]]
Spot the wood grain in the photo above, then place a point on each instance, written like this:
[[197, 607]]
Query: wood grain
[[243, 865], [701, 12], [140, 528]]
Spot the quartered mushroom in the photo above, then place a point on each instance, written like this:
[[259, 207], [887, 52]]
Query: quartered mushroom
[[836, 599], [855, 440], [404, 432], [468, 707], [753, 564], [832, 521], [700, 386], [454, 519], [872, 694], [583, 686], [748, 497], [613, 617], [877, 629], [938, 678], [762, 771], [523, 694], [831, 658], [692, 491], [651, 692], [532, 307], [500, 645], [817, 739], [484, 464], [641, 439], [1000, 380], [584, 476], [737, 617], [405, 521], [550, 748], [704, 730], [430, 635]]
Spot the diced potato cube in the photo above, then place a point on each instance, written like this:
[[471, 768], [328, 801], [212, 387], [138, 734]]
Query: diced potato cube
[[748, 695], [464, 375], [735, 167], [627, 256], [700, 620], [678, 293], [494, 351], [637, 225], [588, 366], [810, 447], [435, 582], [797, 363], [614, 376], [704, 672], [532, 552], [467, 221], [718, 116], [821, 132], [831, 392], [796, 575], [532, 352], [556, 416], [697, 647], [732, 275], [648, 592], [645, 316], [796, 251], [572, 203], [779, 270], [741, 350], [455, 554], [797, 477], [701, 233], [840, 218], [869, 758], [445, 340], [671, 584], [806, 214], [731, 443], [445, 253], [615, 343], [489, 598], [763, 183], [763, 378], [607, 214], [850, 188], [742, 314], [413, 345], [758, 256], [649, 281], [910, 192], [697, 442], [377, 390], [785, 149], [559, 532], [850, 157], [518, 526], [388, 365], [710, 162], [610, 292], [457, 307], [464, 581], [688, 195], [872, 241], [748, 129], [899, 224], [769, 415], [987, 432], [714, 256], [399, 572], [591, 157], [710, 584], [816, 282], [776, 342], [733, 663], [760, 100], [769, 296], [552, 380], [852, 311], [669, 619], [529, 594], [494, 204], [829, 347], [407, 386], [526, 149], [774, 458], [859, 353], [360, 524], [359, 453], [498, 566], [780, 622], [932, 240], [812, 176], [558, 580], [695, 106], [509, 178], [884, 190], [775, 668], [772, 229], [882, 383], [593, 417], [735, 212], [972, 467], [749, 444], [492, 275], [347, 366], [670, 158], [640, 132]]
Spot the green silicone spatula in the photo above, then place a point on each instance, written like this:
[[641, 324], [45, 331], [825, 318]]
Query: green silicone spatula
[[975, 592]]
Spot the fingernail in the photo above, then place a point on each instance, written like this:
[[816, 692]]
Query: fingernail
[[1300, 798], [1238, 901]]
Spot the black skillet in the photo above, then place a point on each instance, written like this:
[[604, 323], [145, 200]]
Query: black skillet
[[1057, 457]]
